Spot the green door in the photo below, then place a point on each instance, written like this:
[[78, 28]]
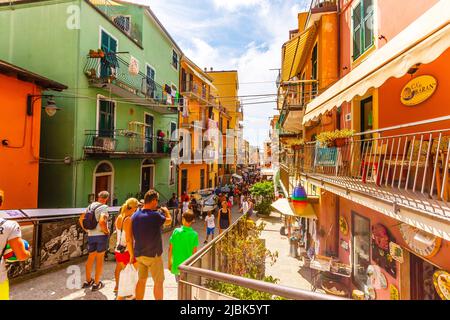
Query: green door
[[109, 45]]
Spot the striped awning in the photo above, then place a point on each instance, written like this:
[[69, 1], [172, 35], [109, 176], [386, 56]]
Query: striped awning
[[295, 52]]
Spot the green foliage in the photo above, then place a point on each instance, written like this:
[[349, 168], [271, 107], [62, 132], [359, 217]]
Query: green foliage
[[242, 293], [263, 192], [244, 254]]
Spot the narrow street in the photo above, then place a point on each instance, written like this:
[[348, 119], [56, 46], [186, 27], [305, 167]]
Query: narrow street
[[52, 285]]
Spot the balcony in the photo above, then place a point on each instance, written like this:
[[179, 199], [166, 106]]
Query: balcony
[[191, 124], [401, 171], [113, 73], [121, 19], [318, 6], [125, 144], [192, 90]]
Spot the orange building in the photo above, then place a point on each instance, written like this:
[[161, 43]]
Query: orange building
[[21, 102], [199, 104], [384, 191]]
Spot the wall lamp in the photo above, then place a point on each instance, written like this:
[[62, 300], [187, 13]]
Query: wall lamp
[[50, 108]]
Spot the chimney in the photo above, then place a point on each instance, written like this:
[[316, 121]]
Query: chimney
[[206, 69], [211, 68]]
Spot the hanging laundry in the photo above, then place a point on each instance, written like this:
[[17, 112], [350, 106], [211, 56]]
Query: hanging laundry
[[168, 89], [185, 108], [133, 68], [169, 99]]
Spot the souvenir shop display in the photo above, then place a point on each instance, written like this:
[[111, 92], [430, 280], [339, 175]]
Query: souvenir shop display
[[396, 252], [441, 281], [380, 249], [421, 242], [343, 226]]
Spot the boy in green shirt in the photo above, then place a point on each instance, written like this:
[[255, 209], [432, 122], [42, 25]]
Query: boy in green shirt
[[183, 243]]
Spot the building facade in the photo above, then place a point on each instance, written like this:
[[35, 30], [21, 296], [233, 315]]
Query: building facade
[[121, 108], [382, 212], [21, 103]]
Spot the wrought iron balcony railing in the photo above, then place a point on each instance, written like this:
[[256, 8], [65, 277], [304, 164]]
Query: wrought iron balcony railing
[[408, 164], [111, 69], [126, 143]]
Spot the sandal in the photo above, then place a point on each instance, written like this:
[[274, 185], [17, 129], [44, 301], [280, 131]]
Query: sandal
[[87, 285], [97, 287]]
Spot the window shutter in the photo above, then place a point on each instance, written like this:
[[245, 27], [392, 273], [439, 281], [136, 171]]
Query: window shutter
[[357, 31]]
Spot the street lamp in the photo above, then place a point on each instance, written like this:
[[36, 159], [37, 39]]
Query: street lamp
[[50, 108]]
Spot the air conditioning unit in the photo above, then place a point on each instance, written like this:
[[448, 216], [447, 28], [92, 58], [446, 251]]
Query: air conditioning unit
[[105, 143]]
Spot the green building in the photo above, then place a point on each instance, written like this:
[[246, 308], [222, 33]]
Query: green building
[[116, 119]]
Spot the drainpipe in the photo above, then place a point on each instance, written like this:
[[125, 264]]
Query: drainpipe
[[75, 141], [339, 47]]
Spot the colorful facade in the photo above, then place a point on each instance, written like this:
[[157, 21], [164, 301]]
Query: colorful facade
[[121, 105], [21, 104], [383, 190]]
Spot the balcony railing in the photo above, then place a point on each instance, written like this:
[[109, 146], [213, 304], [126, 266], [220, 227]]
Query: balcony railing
[[122, 21], [408, 164], [125, 143], [114, 70], [212, 264], [193, 90]]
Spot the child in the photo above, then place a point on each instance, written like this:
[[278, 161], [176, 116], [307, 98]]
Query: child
[[210, 226], [183, 244]]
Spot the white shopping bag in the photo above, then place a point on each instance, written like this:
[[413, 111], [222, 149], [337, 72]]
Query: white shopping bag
[[127, 281]]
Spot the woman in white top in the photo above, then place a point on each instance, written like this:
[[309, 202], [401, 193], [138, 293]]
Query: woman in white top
[[122, 251], [245, 206]]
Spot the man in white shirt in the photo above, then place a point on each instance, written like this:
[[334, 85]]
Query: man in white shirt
[[10, 234], [210, 226]]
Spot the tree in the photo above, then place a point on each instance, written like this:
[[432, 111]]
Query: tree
[[263, 192]]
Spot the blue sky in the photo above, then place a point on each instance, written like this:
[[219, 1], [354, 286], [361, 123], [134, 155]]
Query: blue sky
[[246, 35]]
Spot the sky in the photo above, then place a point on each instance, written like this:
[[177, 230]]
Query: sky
[[243, 35]]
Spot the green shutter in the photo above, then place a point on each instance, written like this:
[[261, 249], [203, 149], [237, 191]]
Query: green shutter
[[357, 32]]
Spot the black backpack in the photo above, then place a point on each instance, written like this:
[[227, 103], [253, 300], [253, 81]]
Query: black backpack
[[90, 221]]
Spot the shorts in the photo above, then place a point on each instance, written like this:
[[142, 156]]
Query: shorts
[[97, 244], [210, 231], [4, 290], [123, 257], [155, 265]]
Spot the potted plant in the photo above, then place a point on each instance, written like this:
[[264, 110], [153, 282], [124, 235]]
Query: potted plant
[[337, 138], [96, 54]]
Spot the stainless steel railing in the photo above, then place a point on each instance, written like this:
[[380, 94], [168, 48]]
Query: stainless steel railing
[[211, 264], [408, 157]]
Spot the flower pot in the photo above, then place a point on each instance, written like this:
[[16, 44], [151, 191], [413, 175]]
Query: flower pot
[[340, 142], [331, 144]]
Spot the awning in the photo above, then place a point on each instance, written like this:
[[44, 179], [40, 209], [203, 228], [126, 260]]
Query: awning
[[295, 52], [423, 41], [293, 122], [287, 208]]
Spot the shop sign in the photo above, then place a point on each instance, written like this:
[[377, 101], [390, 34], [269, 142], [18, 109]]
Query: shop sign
[[421, 242], [394, 294], [396, 252], [418, 90], [441, 280]]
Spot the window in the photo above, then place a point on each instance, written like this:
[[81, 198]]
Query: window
[[109, 45], [363, 27], [106, 118], [202, 179], [314, 71], [172, 173], [361, 249], [175, 59], [124, 23], [151, 87], [173, 128]]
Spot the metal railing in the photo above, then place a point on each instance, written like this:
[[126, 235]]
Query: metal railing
[[406, 158], [212, 264], [121, 19], [113, 69], [125, 142]]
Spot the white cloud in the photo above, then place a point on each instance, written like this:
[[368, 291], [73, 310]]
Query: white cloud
[[233, 5]]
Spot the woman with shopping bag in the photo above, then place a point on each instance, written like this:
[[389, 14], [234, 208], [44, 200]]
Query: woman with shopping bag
[[125, 271]]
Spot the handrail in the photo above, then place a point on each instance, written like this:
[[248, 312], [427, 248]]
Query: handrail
[[277, 290]]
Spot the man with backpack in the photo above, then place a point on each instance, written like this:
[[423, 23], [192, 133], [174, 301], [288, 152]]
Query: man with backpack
[[95, 222]]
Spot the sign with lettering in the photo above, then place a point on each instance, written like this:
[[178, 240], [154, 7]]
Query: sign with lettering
[[418, 90]]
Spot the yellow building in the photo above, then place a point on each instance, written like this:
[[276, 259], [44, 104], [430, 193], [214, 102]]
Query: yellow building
[[227, 84]]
